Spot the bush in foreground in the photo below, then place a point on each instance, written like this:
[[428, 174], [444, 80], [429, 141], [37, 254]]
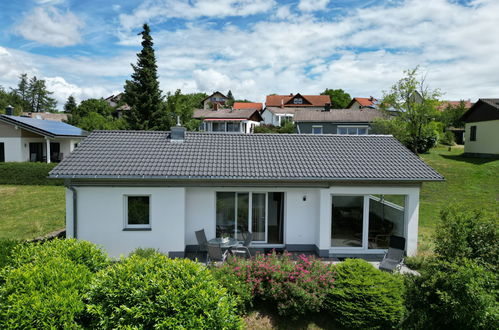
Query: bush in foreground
[[468, 234], [44, 295], [157, 292], [294, 288], [6, 249], [451, 295], [78, 251], [365, 297]]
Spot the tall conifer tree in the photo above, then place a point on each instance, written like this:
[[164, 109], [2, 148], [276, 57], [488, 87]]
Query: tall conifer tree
[[142, 92]]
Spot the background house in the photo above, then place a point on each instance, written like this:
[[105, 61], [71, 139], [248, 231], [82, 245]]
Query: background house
[[336, 195], [363, 103], [482, 129], [335, 121], [120, 108], [62, 117], [228, 120], [215, 101], [281, 108], [25, 139]]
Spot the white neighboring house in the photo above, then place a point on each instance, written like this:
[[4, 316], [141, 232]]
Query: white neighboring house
[[281, 108], [335, 195], [24, 139], [228, 120], [482, 129]]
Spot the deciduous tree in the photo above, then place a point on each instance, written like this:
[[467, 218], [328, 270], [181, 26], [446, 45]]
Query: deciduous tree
[[339, 98]]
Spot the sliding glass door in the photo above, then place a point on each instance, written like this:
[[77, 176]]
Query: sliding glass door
[[366, 222], [260, 213]]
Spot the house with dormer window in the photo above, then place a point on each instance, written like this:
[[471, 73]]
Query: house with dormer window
[[214, 101], [281, 108]]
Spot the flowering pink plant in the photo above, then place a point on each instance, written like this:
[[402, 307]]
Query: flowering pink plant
[[295, 287]]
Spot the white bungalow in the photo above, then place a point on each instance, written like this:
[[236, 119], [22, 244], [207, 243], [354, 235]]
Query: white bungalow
[[24, 139], [335, 195]]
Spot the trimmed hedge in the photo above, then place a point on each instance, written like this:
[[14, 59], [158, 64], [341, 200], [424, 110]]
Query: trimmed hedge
[[160, 293], [28, 174], [365, 297]]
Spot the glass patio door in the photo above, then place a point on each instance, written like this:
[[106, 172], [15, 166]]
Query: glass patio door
[[259, 217]]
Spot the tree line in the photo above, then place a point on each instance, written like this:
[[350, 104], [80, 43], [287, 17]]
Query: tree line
[[31, 95]]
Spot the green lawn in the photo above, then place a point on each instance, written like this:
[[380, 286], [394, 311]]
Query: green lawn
[[472, 182], [31, 211]]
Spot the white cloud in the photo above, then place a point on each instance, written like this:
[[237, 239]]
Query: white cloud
[[312, 5], [48, 26], [50, 2], [63, 89], [165, 9]]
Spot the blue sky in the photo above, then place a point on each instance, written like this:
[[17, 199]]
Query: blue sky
[[254, 48]]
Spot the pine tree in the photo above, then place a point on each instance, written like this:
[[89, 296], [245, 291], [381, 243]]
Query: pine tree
[[22, 90], [230, 98], [142, 92], [38, 98], [70, 106]]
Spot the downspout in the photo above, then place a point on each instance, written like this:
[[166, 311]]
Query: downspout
[[75, 210]]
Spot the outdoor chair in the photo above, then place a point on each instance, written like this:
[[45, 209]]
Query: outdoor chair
[[202, 241], [215, 253], [395, 254], [240, 251]]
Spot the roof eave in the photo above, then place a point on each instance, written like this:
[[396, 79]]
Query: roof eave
[[205, 178]]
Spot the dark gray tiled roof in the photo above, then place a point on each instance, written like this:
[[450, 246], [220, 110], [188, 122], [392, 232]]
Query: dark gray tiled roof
[[222, 156], [338, 115], [223, 113], [492, 102]]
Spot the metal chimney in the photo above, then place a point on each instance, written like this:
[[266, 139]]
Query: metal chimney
[[177, 132], [9, 110]]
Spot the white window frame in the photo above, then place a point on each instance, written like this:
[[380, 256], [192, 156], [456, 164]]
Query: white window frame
[[128, 226], [352, 126], [317, 126], [365, 225], [250, 211], [285, 116]]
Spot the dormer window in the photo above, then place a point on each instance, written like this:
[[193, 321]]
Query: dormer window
[[298, 100]]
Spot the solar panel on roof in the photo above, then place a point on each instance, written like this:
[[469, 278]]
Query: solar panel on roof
[[53, 127]]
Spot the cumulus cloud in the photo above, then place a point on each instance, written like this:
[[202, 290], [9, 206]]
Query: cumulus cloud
[[165, 9], [63, 89], [312, 5], [48, 26], [364, 53]]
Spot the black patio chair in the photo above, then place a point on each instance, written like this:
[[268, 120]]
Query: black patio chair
[[202, 242], [215, 253], [395, 254]]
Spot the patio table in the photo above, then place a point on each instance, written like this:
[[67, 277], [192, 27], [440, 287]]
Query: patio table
[[224, 245]]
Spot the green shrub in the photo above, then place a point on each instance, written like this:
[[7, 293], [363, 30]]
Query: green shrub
[[365, 297], [448, 139], [158, 292], [453, 296], [43, 295], [230, 277], [287, 127], [144, 252], [468, 234], [293, 288], [27, 173], [6, 249], [78, 251]]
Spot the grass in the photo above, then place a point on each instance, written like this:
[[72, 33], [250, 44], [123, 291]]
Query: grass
[[471, 182], [31, 211]]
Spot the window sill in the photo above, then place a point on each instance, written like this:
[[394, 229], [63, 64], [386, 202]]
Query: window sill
[[137, 229]]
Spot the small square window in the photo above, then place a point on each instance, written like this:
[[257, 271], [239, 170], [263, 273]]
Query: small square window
[[342, 130], [316, 129], [473, 133], [362, 131], [138, 212], [352, 130]]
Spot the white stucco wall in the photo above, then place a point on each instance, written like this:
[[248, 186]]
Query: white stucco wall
[[14, 151], [177, 213], [487, 137], [101, 218]]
